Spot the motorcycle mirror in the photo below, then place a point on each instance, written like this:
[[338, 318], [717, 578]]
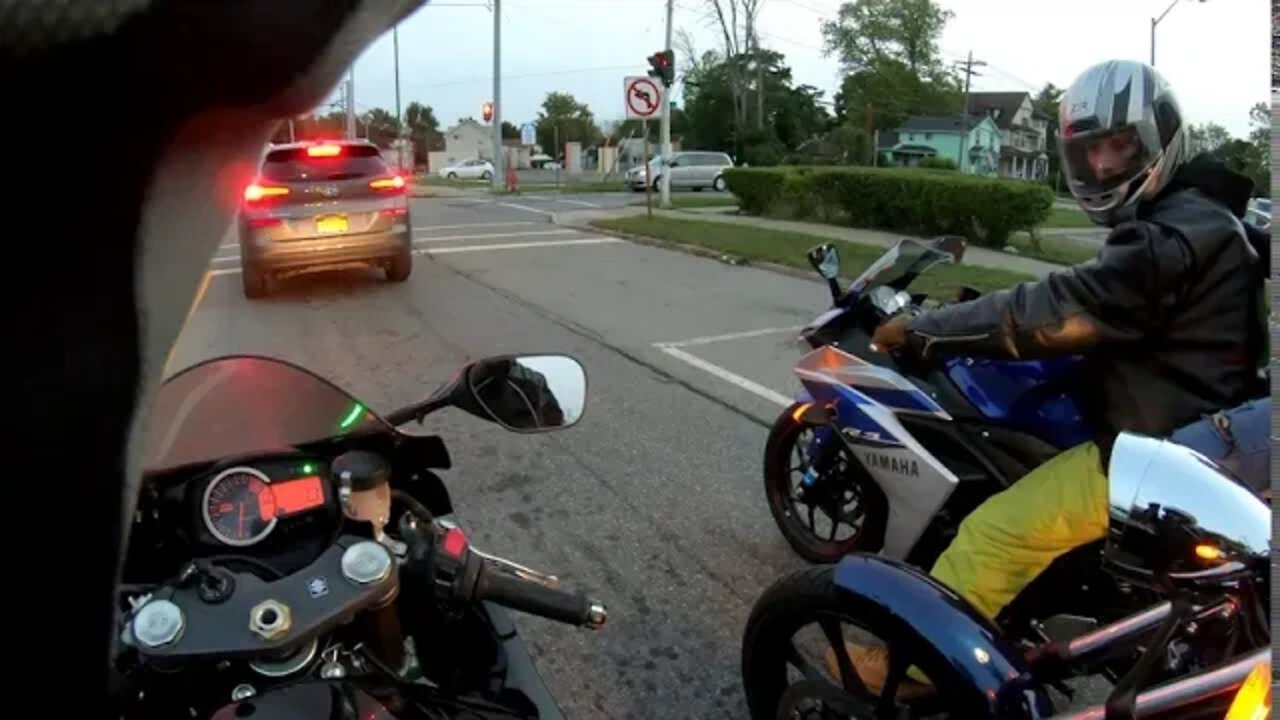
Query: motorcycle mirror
[[527, 393], [953, 244], [826, 260]]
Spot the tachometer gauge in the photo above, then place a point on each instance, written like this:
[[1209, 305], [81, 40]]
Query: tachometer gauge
[[239, 507]]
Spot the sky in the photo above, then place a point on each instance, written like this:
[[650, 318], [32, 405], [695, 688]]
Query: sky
[[1215, 53]]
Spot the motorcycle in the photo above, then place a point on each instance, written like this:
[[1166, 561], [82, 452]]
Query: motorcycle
[[900, 451], [1180, 527], [293, 553]]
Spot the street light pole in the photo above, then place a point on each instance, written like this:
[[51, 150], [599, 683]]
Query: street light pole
[[1156, 21], [664, 124], [498, 175], [395, 45]]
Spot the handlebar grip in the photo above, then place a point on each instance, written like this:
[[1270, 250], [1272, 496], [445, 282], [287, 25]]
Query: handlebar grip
[[532, 597]]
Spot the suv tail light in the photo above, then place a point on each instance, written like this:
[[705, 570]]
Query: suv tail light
[[255, 192], [324, 151], [392, 184]]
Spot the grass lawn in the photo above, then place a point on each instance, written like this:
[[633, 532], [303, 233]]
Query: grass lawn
[[788, 248], [1067, 218], [685, 201], [1054, 250]]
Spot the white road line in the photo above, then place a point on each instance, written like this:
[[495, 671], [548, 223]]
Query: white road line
[[426, 228], [225, 271], [516, 246], [226, 259], [732, 378], [583, 203], [708, 339], [528, 233], [525, 207]]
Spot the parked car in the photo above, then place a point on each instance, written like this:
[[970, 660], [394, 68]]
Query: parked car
[[468, 170], [1258, 213], [319, 205], [543, 162], [692, 169]]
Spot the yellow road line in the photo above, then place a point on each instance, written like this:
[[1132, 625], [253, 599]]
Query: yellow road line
[[204, 287]]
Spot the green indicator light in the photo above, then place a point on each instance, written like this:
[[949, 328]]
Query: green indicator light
[[352, 417]]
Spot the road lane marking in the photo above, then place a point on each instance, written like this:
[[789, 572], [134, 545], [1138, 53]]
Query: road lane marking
[[728, 376], [527, 233], [226, 259], [425, 228], [517, 246], [583, 203], [708, 339], [525, 207]]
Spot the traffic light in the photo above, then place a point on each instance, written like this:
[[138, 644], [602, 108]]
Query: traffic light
[[486, 111], [662, 65]]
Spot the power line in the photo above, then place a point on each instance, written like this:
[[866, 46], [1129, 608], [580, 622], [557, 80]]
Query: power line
[[548, 73]]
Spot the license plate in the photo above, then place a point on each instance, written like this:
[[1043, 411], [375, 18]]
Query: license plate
[[331, 224]]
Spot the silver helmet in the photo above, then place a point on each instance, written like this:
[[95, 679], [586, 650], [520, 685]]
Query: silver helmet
[[1121, 137]]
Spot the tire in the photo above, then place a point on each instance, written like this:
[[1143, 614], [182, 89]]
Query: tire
[[697, 188], [486, 175], [657, 184], [802, 598], [254, 281], [778, 452], [718, 184], [400, 267], [451, 176]]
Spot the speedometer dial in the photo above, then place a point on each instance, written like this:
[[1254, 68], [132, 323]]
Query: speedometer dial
[[239, 507]]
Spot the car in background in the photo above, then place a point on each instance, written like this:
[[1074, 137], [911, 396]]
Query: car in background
[[468, 170], [689, 169], [1258, 214], [543, 162], [322, 205]]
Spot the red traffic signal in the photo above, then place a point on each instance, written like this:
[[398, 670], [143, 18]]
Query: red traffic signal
[[662, 65], [486, 111]]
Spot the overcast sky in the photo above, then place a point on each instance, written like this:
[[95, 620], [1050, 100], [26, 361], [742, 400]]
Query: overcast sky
[[1215, 53]]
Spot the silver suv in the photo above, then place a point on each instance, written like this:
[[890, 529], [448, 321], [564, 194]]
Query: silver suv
[[323, 205], [692, 169]]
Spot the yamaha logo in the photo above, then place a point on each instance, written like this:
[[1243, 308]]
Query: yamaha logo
[[898, 466]]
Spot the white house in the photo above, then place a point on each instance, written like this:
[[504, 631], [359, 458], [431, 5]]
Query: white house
[[1023, 132], [467, 140]]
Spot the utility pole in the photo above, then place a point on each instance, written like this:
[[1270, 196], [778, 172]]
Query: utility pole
[[395, 45], [1156, 21], [969, 72], [664, 124], [351, 102], [498, 173]]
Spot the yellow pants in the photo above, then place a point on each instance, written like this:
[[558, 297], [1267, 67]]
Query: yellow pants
[[1016, 534]]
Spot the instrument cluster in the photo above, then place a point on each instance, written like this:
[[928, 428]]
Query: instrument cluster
[[250, 503]]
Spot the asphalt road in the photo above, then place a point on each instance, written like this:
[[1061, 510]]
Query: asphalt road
[[653, 502]]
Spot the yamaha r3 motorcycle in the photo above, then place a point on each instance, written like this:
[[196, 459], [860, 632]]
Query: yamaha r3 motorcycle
[[292, 554], [1180, 527], [882, 453]]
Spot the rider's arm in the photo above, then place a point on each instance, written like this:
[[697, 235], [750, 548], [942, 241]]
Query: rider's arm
[[1115, 298]]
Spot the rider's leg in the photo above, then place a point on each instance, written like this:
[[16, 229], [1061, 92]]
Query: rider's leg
[[1010, 539]]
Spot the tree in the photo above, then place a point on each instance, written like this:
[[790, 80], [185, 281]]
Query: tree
[[1046, 103], [381, 127], [509, 130], [868, 32], [1206, 138], [424, 130], [889, 50], [736, 20], [564, 119]]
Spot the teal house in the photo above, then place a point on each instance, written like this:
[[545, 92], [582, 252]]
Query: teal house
[[925, 136]]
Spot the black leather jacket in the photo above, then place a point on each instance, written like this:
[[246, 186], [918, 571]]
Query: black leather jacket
[[1169, 314]]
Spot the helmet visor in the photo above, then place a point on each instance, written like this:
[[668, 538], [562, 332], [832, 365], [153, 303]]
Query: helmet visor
[[1100, 161]]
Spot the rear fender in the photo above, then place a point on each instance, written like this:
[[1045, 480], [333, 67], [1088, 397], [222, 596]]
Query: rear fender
[[985, 670]]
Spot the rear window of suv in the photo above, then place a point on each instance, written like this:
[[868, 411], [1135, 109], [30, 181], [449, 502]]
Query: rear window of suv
[[295, 165]]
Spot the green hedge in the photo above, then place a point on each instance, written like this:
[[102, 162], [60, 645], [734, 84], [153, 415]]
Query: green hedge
[[985, 210]]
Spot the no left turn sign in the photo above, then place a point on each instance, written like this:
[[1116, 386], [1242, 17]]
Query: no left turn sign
[[643, 98]]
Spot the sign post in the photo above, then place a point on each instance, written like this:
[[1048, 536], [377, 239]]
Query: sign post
[[644, 98]]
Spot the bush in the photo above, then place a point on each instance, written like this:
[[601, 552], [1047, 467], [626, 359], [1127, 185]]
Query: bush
[[984, 210], [938, 163]]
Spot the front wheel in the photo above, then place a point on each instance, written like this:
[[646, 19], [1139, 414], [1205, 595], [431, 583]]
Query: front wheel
[[486, 175], [813, 650], [842, 510], [718, 185]]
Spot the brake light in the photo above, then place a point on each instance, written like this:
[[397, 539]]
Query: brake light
[[324, 151], [256, 192], [395, 182], [1253, 699], [259, 223]]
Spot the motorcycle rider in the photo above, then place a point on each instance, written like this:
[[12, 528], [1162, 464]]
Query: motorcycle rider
[[1169, 311], [516, 394]]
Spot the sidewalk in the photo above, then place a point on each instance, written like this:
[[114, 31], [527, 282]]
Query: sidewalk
[[980, 257]]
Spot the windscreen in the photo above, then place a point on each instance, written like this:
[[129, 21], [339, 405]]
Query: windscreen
[[907, 257], [247, 405], [296, 165]]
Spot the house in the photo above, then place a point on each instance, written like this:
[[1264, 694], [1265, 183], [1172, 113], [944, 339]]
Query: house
[[1023, 132], [925, 136], [468, 140]]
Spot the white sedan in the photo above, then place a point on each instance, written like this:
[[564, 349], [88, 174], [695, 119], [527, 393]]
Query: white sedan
[[468, 170]]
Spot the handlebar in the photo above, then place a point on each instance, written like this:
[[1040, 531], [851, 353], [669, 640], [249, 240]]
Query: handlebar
[[535, 598]]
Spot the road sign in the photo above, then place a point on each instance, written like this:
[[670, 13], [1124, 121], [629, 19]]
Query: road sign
[[528, 134], [643, 97]]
